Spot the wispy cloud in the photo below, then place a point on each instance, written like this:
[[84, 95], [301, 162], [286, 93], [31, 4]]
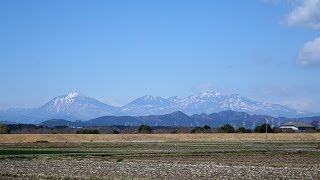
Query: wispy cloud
[[309, 55], [306, 13]]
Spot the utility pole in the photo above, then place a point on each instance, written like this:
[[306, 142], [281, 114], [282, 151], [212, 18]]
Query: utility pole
[[266, 134], [202, 119]]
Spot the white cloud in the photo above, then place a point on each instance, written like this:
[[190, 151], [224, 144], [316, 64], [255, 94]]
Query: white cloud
[[309, 55], [306, 13]]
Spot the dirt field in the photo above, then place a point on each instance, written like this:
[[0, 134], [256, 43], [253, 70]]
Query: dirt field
[[181, 156], [216, 137]]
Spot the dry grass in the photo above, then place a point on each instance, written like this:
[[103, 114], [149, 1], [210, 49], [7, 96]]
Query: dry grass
[[23, 138]]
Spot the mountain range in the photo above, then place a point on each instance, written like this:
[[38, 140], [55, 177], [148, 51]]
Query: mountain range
[[75, 106], [236, 119]]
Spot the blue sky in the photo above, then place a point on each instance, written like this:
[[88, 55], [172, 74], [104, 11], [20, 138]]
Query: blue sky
[[119, 50]]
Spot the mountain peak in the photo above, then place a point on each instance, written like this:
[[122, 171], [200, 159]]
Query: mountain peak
[[66, 99], [72, 95], [151, 98], [210, 93], [75, 104], [139, 106], [178, 113], [174, 99]]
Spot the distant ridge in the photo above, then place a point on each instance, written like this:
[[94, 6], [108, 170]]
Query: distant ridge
[[236, 119]]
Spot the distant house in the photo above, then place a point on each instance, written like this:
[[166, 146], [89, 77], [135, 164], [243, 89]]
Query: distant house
[[297, 126]]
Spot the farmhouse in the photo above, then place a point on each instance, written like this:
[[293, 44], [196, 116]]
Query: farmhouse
[[297, 126]]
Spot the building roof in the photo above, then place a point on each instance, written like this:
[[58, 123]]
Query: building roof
[[298, 124]]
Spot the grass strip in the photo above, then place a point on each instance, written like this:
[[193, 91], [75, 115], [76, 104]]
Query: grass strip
[[25, 152]]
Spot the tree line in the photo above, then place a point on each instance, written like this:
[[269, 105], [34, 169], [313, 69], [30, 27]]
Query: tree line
[[143, 129]]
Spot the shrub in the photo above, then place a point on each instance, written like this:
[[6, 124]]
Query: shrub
[[88, 131], [262, 128], [4, 129], [227, 128], [197, 130], [241, 130], [144, 129], [115, 132], [175, 131], [204, 129]]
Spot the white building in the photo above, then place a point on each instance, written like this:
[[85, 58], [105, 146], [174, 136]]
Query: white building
[[297, 126]]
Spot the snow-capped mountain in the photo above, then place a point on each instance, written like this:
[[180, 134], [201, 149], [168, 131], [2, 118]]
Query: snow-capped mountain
[[174, 99], [77, 106], [149, 101], [72, 106], [205, 102], [209, 102], [146, 105]]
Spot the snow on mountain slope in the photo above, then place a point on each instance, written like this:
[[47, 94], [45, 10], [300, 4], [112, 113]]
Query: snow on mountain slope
[[206, 102], [77, 106], [146, 105], [209, 102]]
